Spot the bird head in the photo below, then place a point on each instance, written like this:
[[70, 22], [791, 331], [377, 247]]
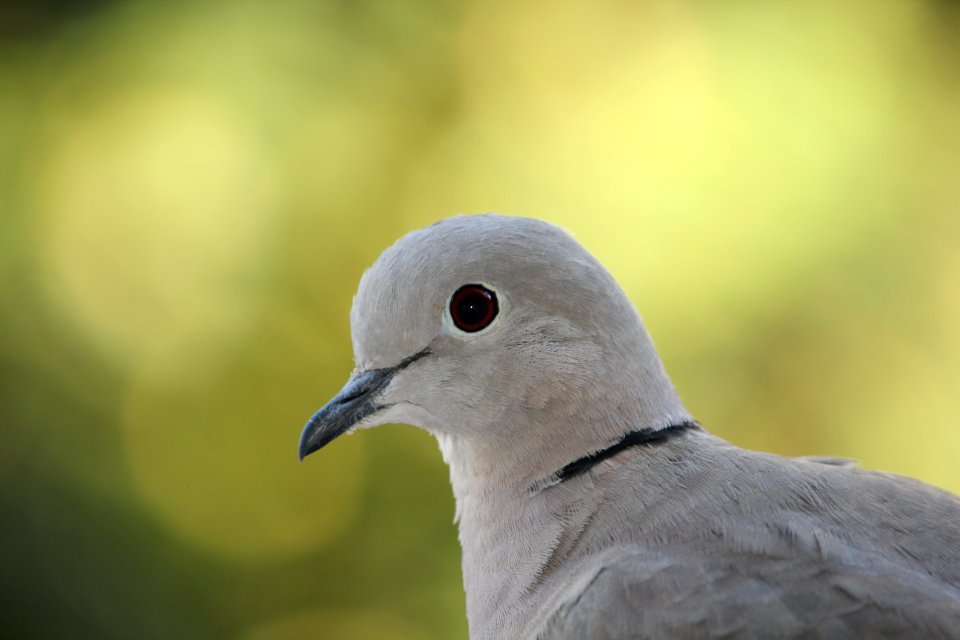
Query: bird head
[[496, 329]]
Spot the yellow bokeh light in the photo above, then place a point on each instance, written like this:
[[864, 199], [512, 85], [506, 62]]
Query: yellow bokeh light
[[155, 225]]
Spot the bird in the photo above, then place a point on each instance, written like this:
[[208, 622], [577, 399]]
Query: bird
[[589, 502]]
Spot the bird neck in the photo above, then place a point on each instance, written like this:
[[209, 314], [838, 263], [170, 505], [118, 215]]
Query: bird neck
[[529, 447], [507, 529]]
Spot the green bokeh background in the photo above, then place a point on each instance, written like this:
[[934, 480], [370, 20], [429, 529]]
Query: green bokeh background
[[189, 193]]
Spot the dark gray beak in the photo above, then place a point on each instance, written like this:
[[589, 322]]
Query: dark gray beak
[[356, 401]]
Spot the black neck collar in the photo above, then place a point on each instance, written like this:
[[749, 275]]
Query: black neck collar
[[639, 438]]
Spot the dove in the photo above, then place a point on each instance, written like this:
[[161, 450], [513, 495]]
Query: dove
[[589, 502]]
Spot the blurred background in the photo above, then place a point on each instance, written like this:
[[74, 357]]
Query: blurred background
[[190, 191]]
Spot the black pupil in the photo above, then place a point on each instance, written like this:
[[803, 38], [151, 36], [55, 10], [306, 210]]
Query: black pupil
[[473, 308]]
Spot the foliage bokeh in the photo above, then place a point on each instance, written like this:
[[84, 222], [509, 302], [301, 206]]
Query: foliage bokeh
[[189, 193]]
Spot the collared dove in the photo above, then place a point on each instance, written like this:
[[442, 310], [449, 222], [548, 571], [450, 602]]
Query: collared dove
[[590, 503]]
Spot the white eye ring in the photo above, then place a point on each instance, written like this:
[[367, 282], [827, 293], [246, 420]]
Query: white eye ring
[[473, 309]]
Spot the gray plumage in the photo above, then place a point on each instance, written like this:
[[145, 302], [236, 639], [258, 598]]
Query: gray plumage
[[681, 536]]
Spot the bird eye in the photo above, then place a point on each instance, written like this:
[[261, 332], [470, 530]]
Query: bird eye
[[473, 307]]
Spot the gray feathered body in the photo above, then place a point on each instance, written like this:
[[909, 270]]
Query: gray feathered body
[[700, 539]]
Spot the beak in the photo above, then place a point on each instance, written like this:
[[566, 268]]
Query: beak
[[356, 401]]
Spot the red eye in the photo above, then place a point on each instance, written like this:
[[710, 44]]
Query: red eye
[[473, 307]]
